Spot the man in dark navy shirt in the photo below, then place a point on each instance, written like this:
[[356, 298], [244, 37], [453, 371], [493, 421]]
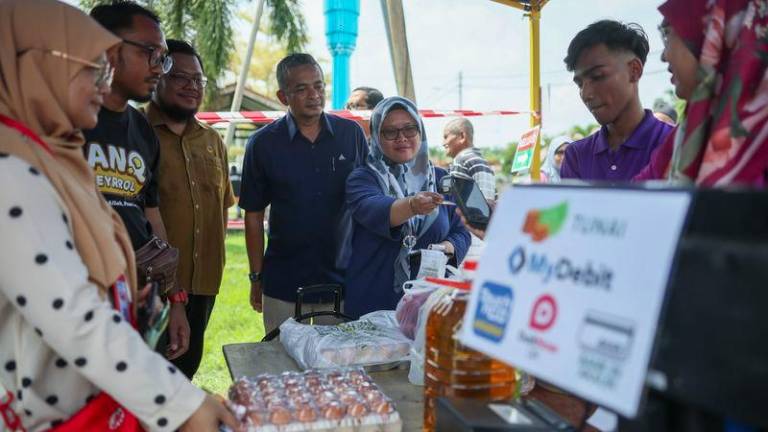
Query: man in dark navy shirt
[[299, 165]]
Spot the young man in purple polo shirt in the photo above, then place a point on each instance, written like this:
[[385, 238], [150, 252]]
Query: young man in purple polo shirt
[[607, 60]]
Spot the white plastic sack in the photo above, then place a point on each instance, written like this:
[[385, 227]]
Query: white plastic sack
[[416, 373], [415, 294], [373, 339]]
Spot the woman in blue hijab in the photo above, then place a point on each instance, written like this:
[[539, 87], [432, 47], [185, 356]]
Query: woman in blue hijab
[[395, 210]]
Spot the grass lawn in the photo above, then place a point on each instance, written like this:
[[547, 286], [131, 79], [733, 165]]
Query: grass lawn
[[232, 321]]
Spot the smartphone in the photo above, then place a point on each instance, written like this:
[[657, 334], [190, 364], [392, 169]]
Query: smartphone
[[471, 201]]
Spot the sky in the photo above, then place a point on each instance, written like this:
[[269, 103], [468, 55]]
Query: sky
[[489, 43]]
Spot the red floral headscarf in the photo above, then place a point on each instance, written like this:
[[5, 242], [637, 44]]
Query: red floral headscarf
[[723, 139]]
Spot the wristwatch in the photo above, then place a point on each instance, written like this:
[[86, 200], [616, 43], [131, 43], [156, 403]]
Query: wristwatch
[[179, 296], [254, 276]]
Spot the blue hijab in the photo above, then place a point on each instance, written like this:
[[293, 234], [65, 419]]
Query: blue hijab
[[403, 180]]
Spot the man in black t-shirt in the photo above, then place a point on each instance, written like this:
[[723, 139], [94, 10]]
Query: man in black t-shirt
[[123, 149], [124, 153]]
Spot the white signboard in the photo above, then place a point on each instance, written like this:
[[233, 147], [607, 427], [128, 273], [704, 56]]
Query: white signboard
[[570, 286]]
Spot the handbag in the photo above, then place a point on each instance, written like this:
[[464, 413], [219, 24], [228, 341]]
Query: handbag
[[157, 261]]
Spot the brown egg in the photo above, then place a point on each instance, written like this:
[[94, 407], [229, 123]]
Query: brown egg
[[357, 409], [280, 415], [299, 400], [372, 396], [264, 380], [349, 397], [275, 403], [333, 411], [364, 387], [295, 391], [291, 382], [305, 414], [383, 407], [267, 389], [255, 418], [326, 397], [355, 375]]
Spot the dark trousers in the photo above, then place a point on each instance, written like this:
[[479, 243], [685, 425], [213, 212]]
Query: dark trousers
[[199, 310]]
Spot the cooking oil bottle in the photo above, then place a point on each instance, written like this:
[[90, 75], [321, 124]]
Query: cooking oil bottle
[[452, 369]]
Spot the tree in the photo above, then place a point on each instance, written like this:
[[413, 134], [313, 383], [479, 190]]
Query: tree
[[266, 54], [671, 99], [579, 132], [508, 156], [207, 24]]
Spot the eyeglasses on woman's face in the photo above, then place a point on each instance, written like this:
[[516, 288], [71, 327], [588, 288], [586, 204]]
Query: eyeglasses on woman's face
[[104, 70], [408, 131]]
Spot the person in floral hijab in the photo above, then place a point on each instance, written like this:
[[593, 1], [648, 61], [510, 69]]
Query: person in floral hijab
[[717, 51]]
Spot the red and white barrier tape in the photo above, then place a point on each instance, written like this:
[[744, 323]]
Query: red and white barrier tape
[[263, 117]]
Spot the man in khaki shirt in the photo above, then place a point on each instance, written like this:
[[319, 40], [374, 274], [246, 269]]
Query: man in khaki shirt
[[195, 191]]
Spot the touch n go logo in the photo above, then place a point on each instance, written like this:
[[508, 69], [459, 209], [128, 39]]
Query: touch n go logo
[[494, 308], [542, 223]]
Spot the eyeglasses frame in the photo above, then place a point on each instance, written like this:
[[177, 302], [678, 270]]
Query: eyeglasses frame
[[165, 61]]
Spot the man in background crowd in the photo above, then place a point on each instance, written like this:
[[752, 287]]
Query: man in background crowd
[[363, 98], [458, 141]]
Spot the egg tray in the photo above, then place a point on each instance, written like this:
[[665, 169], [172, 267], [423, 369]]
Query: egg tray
[[314, 400]]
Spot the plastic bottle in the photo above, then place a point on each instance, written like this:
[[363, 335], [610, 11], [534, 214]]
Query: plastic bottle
[[451, 369]]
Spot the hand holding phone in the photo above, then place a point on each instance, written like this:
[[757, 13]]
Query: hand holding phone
[[475, 210]]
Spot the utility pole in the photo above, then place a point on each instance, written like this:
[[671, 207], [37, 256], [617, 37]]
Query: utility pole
[[401, 60], [237, 98], [461, 89]]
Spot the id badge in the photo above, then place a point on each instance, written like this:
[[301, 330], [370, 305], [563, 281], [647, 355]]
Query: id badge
[[409, 241]]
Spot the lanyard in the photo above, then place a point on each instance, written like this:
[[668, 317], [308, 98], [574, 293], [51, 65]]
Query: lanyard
[[24, 130]]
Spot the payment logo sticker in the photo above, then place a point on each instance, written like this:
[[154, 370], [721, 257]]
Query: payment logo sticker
[[543, 313], [543, 223], [494, 308], [606, 334]]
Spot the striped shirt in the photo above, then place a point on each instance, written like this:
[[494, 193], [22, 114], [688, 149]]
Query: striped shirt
[[472, 163]]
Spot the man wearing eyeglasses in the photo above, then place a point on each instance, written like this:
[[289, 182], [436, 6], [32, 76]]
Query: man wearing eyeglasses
[[123, 149], [194, 187], [299, 165]]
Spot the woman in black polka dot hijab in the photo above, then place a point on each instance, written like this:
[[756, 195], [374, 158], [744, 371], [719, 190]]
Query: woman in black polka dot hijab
[[64, 254]]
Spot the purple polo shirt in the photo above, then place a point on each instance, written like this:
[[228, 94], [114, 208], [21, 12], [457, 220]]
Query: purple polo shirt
[[592, 159]]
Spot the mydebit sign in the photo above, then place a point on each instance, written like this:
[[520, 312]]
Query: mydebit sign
[[570, 286]]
